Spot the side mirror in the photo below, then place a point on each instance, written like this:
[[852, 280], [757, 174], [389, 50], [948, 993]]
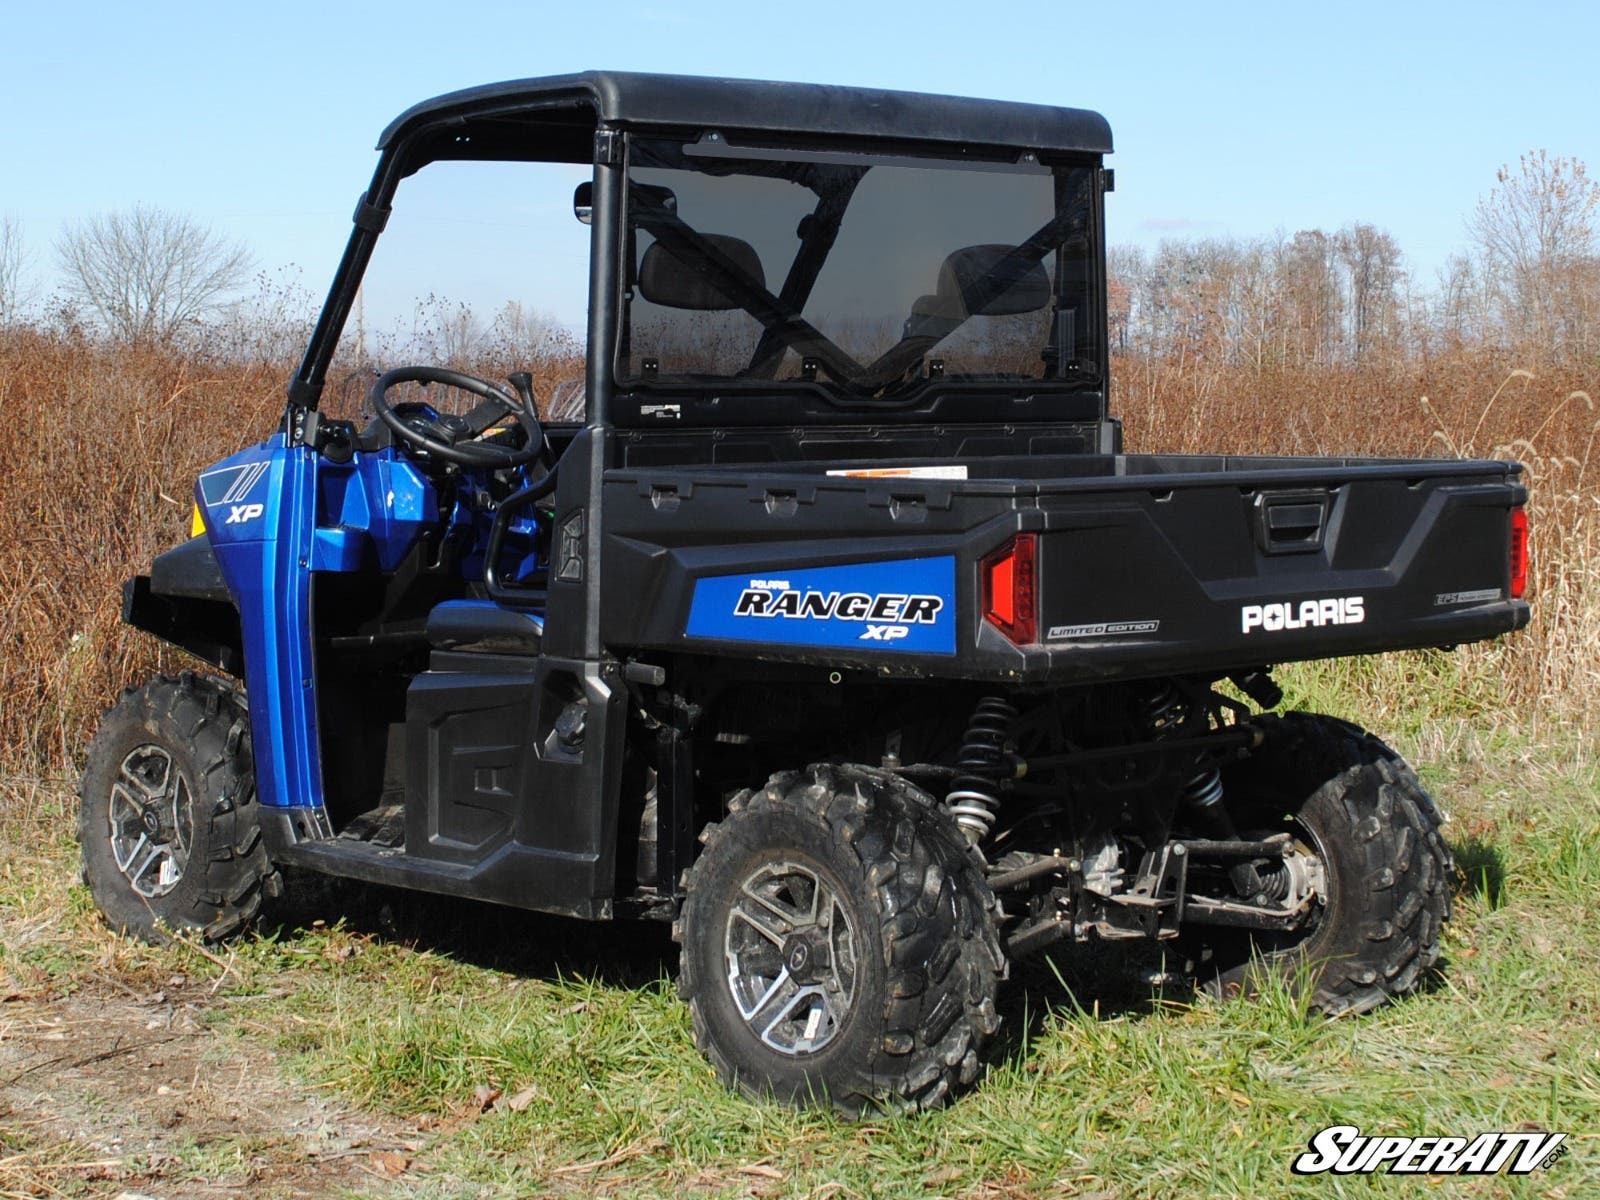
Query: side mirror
[[643, 194]]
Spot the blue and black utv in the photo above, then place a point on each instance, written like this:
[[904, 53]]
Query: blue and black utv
[[826, 618]]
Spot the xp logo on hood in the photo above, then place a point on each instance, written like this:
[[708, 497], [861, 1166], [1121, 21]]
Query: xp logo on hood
[[233, 485], [907, 605], [235, 496]]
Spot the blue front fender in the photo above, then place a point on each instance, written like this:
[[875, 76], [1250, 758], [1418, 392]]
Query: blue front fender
[[260, 510], [278, 516]]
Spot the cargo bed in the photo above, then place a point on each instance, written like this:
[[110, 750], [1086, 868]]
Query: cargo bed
[[1143, 565]]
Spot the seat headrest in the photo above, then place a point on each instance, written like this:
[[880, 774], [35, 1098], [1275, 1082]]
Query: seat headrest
[[976, 279], [691, 282]]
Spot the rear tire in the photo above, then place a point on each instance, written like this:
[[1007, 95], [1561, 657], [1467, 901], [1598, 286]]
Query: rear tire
[[1387, 869], [898, 1012], [167, 820]]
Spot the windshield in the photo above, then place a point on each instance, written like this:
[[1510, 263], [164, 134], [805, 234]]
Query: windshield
[[871, 277]]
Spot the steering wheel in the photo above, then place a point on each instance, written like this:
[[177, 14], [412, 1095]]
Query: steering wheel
[[454, 439]]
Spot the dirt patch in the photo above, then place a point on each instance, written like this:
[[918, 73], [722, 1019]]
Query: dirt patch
[[114, 1091]]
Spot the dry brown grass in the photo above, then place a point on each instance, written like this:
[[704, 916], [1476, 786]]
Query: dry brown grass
[[100, 450], [101, 447]]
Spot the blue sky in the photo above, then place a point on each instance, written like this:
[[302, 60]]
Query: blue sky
[[1230, 119]]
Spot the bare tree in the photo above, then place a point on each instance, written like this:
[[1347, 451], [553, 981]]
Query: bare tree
[[1175, 299], [1456, 311], [1213, 300], [1253, 300], [148, 272], [447, 331], [1536, 238], [529, 335], [1125, 271], [1314, 297], [13, 260], [1371, 259]]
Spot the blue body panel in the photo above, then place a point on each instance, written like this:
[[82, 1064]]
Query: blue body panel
[[907, 605], [260, 509], [276, 515]]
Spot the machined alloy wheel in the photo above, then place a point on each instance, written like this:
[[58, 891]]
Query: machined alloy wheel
[[152, 820], [791, 957]]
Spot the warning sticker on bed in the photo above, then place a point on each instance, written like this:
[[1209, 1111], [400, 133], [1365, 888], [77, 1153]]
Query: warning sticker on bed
[[949, 471]]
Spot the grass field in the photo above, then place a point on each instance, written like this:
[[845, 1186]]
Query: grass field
[[526, 1056], [369, 1043]]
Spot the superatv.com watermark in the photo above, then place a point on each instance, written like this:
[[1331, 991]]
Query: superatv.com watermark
[[1344, 1150]]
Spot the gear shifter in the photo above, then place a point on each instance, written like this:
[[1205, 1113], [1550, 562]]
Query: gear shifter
[[523, 382]]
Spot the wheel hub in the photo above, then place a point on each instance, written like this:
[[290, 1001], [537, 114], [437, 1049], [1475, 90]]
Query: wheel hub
[[1308, 880], [797, 955], [790, 952], [807, 956]]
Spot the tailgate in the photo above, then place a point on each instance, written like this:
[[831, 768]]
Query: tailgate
[[1205, 569]]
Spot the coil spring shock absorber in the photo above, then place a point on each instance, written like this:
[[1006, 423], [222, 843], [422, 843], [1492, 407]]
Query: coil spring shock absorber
[[1202, 792], [1275, 882], [981, 767], [1164, 713]]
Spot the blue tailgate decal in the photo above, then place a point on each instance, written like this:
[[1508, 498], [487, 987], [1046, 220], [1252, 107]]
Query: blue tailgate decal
[[908, 605]]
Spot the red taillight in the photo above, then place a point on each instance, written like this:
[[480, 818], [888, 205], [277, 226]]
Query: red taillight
[[1519, 552], [1007, 580]]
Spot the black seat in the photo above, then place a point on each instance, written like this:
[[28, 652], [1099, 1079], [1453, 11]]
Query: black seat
[[688, 277], [993, 281], [485, 626]]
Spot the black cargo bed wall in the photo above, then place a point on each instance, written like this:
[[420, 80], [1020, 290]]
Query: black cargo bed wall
[[845, 444]]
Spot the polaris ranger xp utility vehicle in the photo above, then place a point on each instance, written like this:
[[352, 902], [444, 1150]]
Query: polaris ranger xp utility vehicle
[[824, 617]]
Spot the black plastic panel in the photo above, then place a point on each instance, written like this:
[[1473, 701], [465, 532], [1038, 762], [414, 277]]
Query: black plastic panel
[[1166, 559]]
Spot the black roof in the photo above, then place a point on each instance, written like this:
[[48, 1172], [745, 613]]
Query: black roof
[[634, 99]]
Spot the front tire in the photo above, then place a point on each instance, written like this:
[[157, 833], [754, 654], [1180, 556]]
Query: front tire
[[1386, 869], [840, 944], [167, 820]]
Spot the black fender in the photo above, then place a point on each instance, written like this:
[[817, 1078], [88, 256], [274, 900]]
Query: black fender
[[185, 602]]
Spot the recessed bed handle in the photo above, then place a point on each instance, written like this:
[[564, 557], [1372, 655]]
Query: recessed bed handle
[[1291, 522]]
